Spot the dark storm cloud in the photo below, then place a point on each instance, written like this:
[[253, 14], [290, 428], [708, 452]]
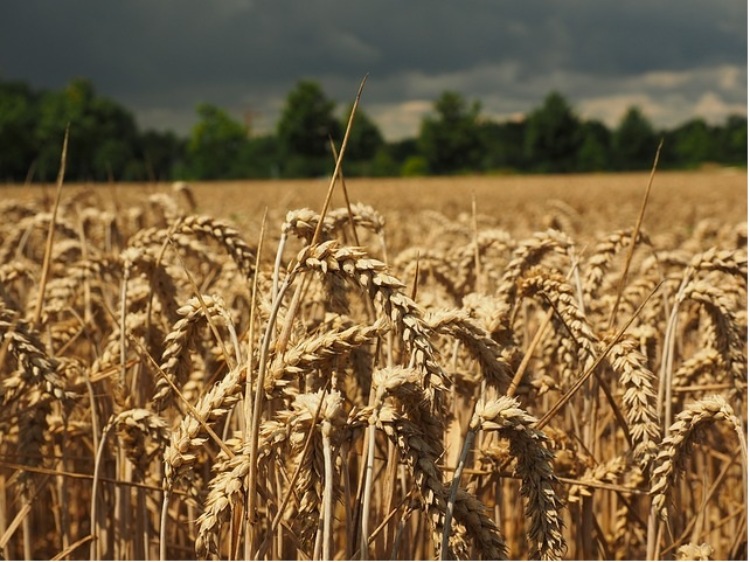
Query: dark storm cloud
[[162, 58]]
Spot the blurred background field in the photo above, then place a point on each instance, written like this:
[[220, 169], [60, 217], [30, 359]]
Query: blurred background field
[[589, 203]]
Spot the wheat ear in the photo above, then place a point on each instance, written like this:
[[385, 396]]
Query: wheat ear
[[692, 551], [675, 447], [727, 334], [534, 465], [528, 254], [371, 275], [489, 353], [226, 236], [38, 368], [421, 456], [639, 399], [402, 413], [175, 361], [600, 260], [318, 351]]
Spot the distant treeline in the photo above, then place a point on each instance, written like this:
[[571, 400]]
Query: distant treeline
[[106, 143]]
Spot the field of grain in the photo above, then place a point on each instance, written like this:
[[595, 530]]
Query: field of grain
[[463, 368]]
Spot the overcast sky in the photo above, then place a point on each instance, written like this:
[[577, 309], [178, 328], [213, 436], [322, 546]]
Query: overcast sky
[[676, 59]]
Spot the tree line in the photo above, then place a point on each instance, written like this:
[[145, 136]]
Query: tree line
[[454, 138]]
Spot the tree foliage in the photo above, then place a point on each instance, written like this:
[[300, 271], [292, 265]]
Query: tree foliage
[[217, 146], [595, 150], [450, 140], [635, 141], [732, 141], [17, 123], [162, 155], [103, 134], [306, 125], [695, 143], [106, 143], [502, 146], [553, 136]]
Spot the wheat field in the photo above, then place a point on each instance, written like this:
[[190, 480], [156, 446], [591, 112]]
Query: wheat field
[[463, 368]]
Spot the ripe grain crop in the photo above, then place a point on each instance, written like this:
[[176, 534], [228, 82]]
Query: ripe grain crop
[[207, 377]]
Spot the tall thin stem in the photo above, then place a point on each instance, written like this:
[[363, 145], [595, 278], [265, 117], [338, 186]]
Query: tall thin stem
[[326, 429], [252, 422], [468, 441]]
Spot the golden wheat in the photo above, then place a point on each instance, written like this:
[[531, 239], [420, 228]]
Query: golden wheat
[[474, 396]]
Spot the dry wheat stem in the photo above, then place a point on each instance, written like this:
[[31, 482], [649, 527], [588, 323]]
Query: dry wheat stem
[[634, 238], [51, 231], [450, 504], [253, 408], [134, 424], [339, 159]]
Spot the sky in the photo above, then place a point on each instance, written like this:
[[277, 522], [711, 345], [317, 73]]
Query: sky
[[675, 59]]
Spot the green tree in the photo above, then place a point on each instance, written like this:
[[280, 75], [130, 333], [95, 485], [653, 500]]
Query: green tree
[[383, 164], [18, 109], [595, 152], [553, 136], [262, 159], [634, 141], [415, 166], [217, 146], [402, 149], [450, 140], [502, 146], [695, 143], [56, 111], [306, 124], [390, 159], [733, 141], [161, 154], [103, 134]]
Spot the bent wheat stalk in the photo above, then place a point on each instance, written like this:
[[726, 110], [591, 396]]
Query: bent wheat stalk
[[674, 448]]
